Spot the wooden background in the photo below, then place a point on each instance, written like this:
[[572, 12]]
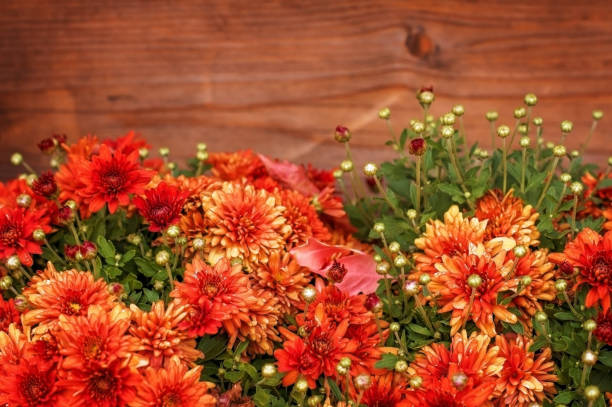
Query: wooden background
[[277, 76]]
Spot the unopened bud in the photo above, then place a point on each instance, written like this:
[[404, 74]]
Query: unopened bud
[[492, 116], [531, 99], [566, 126], [503, 131], [458, 110], [164, 151], [346, 166], [474, 280], [162, 258], [559, 150], [520, 112], [384, 113], [370, 169], [576, 188]]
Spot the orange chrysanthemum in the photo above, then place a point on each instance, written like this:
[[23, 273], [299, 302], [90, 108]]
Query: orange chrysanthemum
[[174, 386], [525, 378], [466, 373], [13, 345], [388, 389], [160, 335], [507, 216], [303, 219], [96, 338], [603, 196], [591, 254], [236, 165], [285, 278], [451, 237], [245, 223], [260, 327], [67, 293], [31, 382], [608, 215], [451, 289], [71, 182], [8, 314]]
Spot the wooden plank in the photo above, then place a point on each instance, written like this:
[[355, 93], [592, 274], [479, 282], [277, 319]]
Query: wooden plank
[[277, 76]]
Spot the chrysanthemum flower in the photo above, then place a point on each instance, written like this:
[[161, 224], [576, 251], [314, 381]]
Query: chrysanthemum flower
[[162, 206], [260, 327], [68, 293], [218, 295], [452, 291], [445, 393], [608, 215], [13, 346], [159, 335], [385, 390], [236, 165], [234, 398], [31, 382], [451, 237], [507, 216], [127, 144], [296, 360], [525, 378], [45, 184], [174, 386], [302, 218], [8, 314], [604, 195], [467, 371], [591, 254], [16, 227], [71, 182], [111, 177], [244, 222], [534, 264], [96, 338], [285, 278], [111, 386], [603, 332], [337, 307]]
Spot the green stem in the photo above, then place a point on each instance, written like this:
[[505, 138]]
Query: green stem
[[548, 181], [453, 158], [523, 166], [560, 199], [27, 167], [170, 278], [588, 139], [395, 209], [423, 313], [538, 146], [418, 184], [574, 210], [357, 186], [492, 135], [505, 164], [516, 125], [75, 234], [571, 307], [52, 250]]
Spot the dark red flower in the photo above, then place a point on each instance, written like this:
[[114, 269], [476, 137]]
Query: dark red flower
[[162, 206], [417, 146], [372, 302], [47, 145], [64, 215], [16, 227], [111, 177], [45, 184], [71, 250], [342, 134], [8, 314], [336, 272], [603, 332], [88, 250]]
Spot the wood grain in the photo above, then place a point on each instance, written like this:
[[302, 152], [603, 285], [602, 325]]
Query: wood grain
[[277, 76]]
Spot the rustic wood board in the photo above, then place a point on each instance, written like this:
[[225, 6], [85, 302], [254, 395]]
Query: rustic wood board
[[277, 76]]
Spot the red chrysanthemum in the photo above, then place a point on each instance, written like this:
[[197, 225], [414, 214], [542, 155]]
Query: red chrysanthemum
[[218, 295], [111, 386], [127, 144], [387, 390], [525, 378], [8, 314], [174, 386], [591, 254], [296, 360], [16, 227], [111, 177], [45, 184], [236, 165], [162, 206], [30, 383], [603, 332], [444, 393]]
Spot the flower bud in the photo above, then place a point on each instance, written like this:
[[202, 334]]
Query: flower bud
[[416, 382], [379, 227], [520, 251], [458, 110], [541, 316], [394, 247], [162, 257], [346, 166], [401, 366], [531, 99], [565, 177], [550, 145], [424, 279], [492, 116], [537, 121], [524, 141], [576, 188], [373, 303], [484, 154], [448, 119], [382, 268], [171, 166], [589, 357], [526, 280], [400, 261], [411, 213], [338, 173], [198, 243], [24, 200], [459, 380], [16, 159], [301, 386], [342, 134], [597, 114], [202, 156], [362, 381], [6, 282], [71, 204], [520, 112], [134, 239], [88, 250], [591, 393], [467, 194], [21, 303], [447, 131], [370, 169], [426, 98], [418, 127], [474, 280], [560, 285], [158, 285], [610, 161], [589, 325], [13, 263], [411, 287], [314, 401], [164, 151], [503, 131], [394, 327], [417, 146], [268, 370], [574, 153], [143, 152], [377, 258], [173, 231], [559, 151], [309, 293], [201, 147], [566, 126], [384, 113]]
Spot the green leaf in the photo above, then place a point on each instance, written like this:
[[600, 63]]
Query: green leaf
[[538, 343], [335, 389], [241, 347], [212, 346], [387, 361], [129, 255], [261, 397], [106, 249], [146, 267], [421, 330], [151, 295], [606, 358], [249, 369], [565, 316], [565, 397], [234, 376]]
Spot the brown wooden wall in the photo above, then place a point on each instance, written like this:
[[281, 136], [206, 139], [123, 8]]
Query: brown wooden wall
[[277, 76]]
